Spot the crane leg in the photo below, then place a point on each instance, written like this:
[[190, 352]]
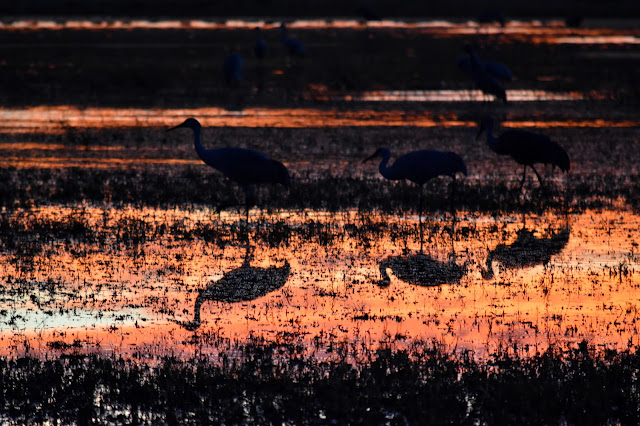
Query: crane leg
[[420, 217], [453, 213], [524, 174], [538, 176]]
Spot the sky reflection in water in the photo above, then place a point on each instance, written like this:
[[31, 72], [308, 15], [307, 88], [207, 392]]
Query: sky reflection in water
[[125, 295], [537, 32]]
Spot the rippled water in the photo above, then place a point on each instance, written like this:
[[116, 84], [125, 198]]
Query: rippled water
[[149, 281], [525, 281]]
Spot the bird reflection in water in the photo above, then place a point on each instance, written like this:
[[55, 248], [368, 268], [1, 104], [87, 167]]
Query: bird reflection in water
[[527, 250], [240, 285], [422, 269]]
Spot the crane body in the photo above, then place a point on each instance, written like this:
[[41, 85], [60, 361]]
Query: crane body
[[526, 148], [420, 167], [244, 166]]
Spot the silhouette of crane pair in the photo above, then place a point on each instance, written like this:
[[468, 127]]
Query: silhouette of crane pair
[[248, 167]]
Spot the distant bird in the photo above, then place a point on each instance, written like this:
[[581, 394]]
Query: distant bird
[[232, 69], [573, 21], [420, 167], [486, 74], [239, 285], [367, 14], [526, 148], [490, 16], [293, 46], [244, 166], [495, 69], [260, 45]]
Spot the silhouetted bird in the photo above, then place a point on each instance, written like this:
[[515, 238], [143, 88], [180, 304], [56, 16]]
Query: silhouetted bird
[[489, 16], [526, 148], [232, 69], [239, 285], [485, 76], [573, 21], [244, 166], [367, 13], [495, 69], [293, 46], [420, 167], [526, 251], [260, 45]]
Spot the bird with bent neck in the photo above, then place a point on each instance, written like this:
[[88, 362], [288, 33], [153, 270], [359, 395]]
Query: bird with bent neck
[[526, 148], [420, 167], [242, 165]]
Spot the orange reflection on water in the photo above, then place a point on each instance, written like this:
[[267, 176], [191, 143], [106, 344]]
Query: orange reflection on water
[[552, 32], [59, 119], [578, 280]]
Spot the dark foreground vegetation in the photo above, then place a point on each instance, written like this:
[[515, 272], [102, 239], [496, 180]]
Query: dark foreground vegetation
[[275, 384]]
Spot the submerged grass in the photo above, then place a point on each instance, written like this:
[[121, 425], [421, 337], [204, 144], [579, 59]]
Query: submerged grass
[[275, 384], [24, 188]]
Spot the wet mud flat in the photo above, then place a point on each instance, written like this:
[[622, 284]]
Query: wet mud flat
[[127, 264]]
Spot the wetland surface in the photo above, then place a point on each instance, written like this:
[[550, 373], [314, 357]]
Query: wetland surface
[[115, 239]]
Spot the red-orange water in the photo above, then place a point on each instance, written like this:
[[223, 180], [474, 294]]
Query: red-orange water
[[128, 298]]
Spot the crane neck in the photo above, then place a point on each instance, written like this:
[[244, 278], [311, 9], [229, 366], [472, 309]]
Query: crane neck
[[197, 143], [386, 171], [491, 139]]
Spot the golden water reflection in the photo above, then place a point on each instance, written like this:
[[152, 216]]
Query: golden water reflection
[[535, 31], [143, 281], [61, 119]]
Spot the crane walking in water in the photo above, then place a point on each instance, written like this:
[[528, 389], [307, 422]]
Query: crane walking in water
[[526, 148], [244, 166], [420, 167]]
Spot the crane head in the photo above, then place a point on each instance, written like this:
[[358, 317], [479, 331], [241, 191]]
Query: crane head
[[190, 123], [380, 152], [457, 163], [282, 174]]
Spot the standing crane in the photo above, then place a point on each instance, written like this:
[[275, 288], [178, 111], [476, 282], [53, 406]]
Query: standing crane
[[293, 46], [260, 45], [526, 148], [495, 69], [486, 74], [244, 166], [420, 167], [232, 68]]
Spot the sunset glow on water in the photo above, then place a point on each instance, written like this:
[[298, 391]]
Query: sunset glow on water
[[534, 31], [132, 297]]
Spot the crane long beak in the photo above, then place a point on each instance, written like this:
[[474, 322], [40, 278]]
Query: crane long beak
[[176, 127], [370, 158]]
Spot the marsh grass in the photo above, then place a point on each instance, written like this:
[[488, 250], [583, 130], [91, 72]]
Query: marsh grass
[[273, 383]]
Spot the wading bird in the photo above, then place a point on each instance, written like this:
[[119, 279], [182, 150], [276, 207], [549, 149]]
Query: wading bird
[[420, 167], [293, 46], [486, 76], [232, 69], [495, 69], [244, 166], [260, 46], [526, 148]]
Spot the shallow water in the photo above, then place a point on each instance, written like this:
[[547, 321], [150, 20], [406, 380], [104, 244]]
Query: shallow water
[[131, 279], [134, 292]]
